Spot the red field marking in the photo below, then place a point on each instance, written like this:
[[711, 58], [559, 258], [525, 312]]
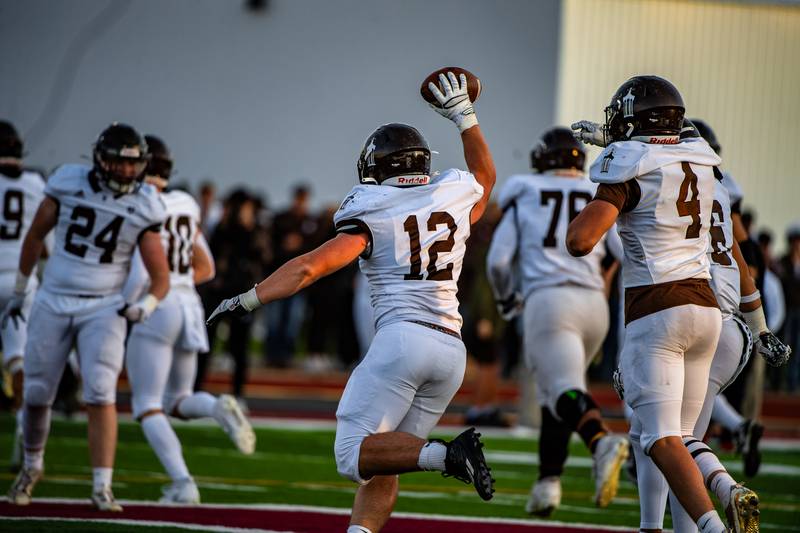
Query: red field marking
[[282, 518]]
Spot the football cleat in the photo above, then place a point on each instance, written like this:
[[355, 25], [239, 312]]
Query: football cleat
[[465, 462], [609, 456], [545, 497], [229, 415], [103, 500], [181, 491], [22, 489], [742, 511], [747, 438]]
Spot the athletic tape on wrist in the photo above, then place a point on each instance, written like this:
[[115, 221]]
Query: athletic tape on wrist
[[750, 297], [249, 300], [21, 283], [756, 321]]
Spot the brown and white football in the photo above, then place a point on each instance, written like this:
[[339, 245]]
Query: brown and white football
[[473, 84]]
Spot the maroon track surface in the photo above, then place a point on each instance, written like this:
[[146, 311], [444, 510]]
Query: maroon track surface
[[300, 521]]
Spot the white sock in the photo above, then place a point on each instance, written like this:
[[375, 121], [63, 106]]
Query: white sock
[[715, 476], [19, 415], [34, 460], [358, 529], [711, 523], [198, 405], [681, 521], [165, 444], [101, 477], [431, 456], [725, 414]]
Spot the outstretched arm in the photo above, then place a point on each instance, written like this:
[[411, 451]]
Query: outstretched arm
[[586, 230], [296, 274]]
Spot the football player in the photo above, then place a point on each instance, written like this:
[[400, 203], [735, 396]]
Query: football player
[[660, 192], [529, 266], [409, 228], [162, 351], [101, 214], [21, 191]]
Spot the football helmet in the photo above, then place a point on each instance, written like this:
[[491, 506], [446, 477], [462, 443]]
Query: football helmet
[[395, 154], [10, 150], [120, 157], [645, 108], [558, 149], [159, 168], [689, 130], [705, 131]]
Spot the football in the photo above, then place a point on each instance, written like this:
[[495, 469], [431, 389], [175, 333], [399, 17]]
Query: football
[[473, 84]]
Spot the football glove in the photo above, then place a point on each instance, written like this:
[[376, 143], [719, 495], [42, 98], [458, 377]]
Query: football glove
[[772, 349], [616, 381], [237, 306], [12, 314], [455, 104], [141, 310], [511, 306], [590, 133]]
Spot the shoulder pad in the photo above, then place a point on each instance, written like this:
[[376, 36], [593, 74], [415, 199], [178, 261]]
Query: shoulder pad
[[67, 179], [153, 208], [513, 188], [734, 190], [182, 199], [618, 163]]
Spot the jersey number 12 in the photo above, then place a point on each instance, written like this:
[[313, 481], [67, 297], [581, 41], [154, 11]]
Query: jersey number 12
[[411, 226]]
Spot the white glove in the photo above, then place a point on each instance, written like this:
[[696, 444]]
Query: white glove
[[511, 306], [590, 133], [455, 104], [141, 310], [13, 311], [239, 305], [770, 347]]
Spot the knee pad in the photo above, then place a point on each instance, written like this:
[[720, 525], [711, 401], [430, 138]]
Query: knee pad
[[37, 392], [347, 451], [141, 405], [100, 385], [572, 405]]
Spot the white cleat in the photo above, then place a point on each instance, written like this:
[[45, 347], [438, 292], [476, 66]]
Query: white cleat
[[229, 415], [609, 456], [103, 500], [22, 489], [545, 496], [182, 491]]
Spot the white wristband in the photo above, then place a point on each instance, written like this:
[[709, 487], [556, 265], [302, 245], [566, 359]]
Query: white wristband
[[21, 283], [750, 297], [466, 122], [756, 321], [149, 303], [249, 300]]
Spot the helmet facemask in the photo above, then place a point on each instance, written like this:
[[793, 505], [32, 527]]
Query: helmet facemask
[[121, 171]]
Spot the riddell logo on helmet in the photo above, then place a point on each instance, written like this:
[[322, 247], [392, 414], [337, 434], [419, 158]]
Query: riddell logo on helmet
[[663, 140], [412, 180]]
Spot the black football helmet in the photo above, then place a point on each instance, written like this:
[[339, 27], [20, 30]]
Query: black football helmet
[[557, 149], [645, 108], [689, 130], [120, 157], [708, 134], [160, 163], [10, 150], [395, 154]]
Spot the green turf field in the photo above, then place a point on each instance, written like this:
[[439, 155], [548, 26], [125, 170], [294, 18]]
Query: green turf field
[[296, 467]]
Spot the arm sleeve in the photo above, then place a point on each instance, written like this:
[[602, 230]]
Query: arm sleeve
[[624, 196], [500, 259]]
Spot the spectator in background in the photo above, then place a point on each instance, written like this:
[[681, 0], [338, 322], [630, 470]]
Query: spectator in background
[[789, 273], [293, 233], [210, 208], [241, 249], [764, 241], [483, 329]]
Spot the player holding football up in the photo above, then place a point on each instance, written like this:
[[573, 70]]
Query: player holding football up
[[162, 351], [660, 193], [101, 215], [411, 241], [529, 266], [21, 192]]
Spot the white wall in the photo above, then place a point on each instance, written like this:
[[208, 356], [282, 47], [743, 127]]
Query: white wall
[[267, 99], [737, 65]]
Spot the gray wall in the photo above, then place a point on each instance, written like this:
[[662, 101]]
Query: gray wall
[[265, 99]]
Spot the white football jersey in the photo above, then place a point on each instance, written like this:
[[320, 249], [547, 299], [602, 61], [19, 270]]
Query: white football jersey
[[542, 206], [97, 232], [417, 242], [20, 199], [666, 234], [178, 235], [724, 270]]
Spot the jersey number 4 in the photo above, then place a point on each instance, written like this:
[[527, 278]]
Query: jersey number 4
[[83, 225], [411, 226]]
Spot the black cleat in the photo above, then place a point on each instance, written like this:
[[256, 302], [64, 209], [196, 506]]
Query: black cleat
[[465, 462]]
